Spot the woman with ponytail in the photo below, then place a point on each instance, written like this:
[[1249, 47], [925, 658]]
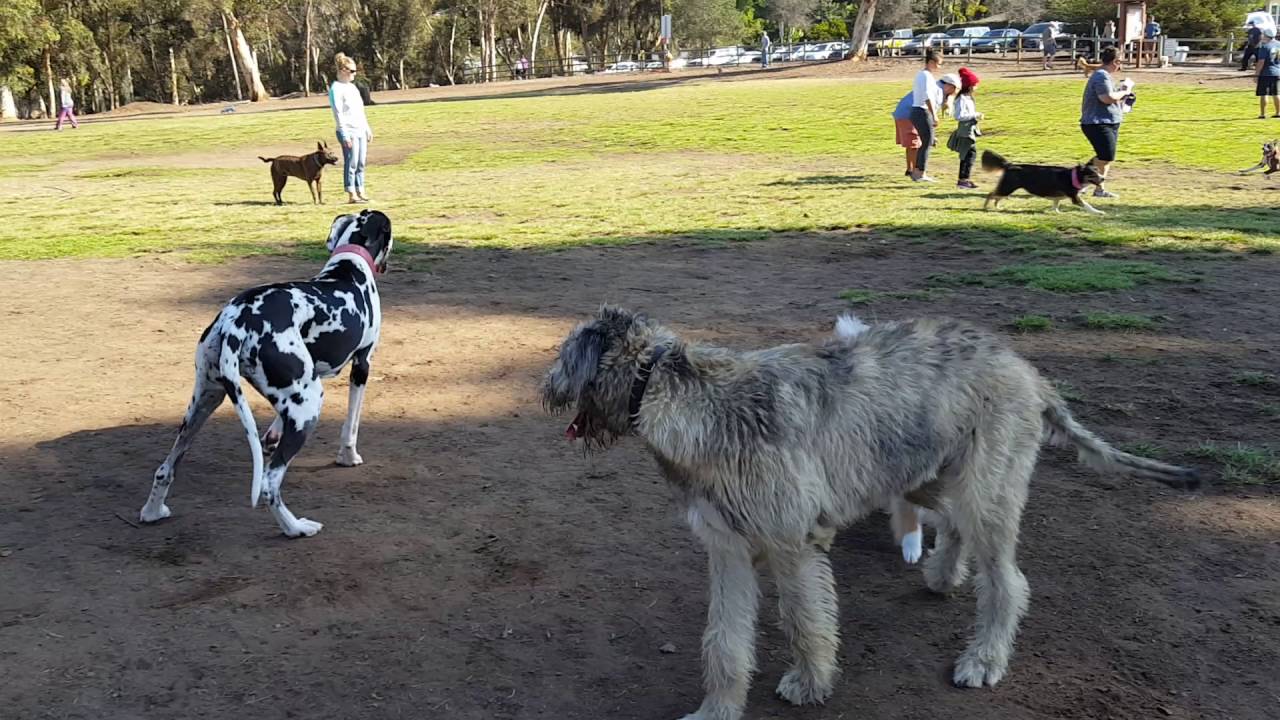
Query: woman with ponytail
[[353, 128]]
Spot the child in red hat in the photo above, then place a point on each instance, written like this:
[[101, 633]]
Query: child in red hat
[[964, 140]]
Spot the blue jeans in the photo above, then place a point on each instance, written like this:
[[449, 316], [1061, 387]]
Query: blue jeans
[[353, 162]]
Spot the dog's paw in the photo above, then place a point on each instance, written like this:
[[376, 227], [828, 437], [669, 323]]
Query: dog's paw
[[974, 672], [150, 514], [799, 688], [348, 457], [303, 527], [913, 546]]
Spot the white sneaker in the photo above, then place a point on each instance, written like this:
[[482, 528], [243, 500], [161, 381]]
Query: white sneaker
[[924, 178], [1099, 192]]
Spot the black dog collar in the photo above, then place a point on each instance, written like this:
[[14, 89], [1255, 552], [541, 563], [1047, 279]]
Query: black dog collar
[[641, 382]]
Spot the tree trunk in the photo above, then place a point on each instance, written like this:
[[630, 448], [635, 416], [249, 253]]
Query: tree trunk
[[537, 30], [173, 75], [401, 83], [8, 110], [126, 85], [306, 54], [453, 34], [248, 63], [48, 75], [484, 50], [111, 82], [493, 48], [235, 71], [862, 30]]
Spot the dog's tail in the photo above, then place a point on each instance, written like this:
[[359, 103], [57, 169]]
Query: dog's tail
[[265, 159], [849, 326], [992, 161], [1093, 452], [229, 368]]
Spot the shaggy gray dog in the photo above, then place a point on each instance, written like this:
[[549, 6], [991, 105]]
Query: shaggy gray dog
[[770, 451]]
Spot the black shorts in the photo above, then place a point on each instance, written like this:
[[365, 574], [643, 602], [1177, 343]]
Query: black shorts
[[1267, 85], [1104, 139]]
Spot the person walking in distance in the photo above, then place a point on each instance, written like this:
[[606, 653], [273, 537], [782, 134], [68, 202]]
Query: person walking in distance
[[353, 128], [1049, 44], [765, 46], [1253, 39], [66, 105], [1268, 73], [1101, 112]]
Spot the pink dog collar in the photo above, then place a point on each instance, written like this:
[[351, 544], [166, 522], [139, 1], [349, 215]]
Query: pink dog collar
[[1075, 181], [356, 250]]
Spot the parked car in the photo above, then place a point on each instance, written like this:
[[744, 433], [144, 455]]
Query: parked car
[[722, 56], [653, 65], [821, 51], [997, 40], [748, 57], [958, 39], [923, 42], [622, 67], [1031, 36], [889, 42], [784, 53]]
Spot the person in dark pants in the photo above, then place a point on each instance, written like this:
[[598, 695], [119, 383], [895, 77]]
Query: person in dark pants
[[965, 139], [927, 104], [1252, 40], [1268, 54], [1101, 113]]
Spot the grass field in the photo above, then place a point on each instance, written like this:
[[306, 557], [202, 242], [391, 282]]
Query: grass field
[[715, 161]]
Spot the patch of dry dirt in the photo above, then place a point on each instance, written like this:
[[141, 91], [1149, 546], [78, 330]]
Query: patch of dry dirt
[[478, 567]]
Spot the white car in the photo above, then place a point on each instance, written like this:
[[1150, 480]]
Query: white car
[[722, 56], [749, 57], [655, 65], [821, 51], [622, 67], [958, 39]]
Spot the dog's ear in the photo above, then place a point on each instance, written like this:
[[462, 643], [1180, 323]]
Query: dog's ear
[[576, 366], [321, 146], [375, 234], [340, 231]]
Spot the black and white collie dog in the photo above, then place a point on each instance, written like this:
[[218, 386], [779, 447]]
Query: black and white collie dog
[[1270, 159], [1046, 181]]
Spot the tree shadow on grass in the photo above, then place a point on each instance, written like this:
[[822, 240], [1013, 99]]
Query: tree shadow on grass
[[838, 180]]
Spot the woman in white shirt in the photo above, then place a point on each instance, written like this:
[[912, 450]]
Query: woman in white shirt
[[928, 98], [66, 106], [354, 133]]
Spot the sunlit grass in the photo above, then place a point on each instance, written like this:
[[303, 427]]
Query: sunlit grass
[[715, 162]]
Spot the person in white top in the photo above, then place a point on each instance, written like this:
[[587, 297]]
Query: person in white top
[[66, 106], [354, 132], [928, 103]]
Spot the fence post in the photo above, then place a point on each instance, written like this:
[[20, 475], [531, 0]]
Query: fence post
[[1019, 58], [1073, 48], [1231, 48], [969, 49]]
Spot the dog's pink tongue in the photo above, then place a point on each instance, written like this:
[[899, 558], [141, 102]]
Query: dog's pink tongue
[[574, 431]]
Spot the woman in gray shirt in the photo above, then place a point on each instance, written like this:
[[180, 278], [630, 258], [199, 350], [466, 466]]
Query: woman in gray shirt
[[1101, 113]]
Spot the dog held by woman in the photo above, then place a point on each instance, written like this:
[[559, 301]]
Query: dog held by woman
[[1046, 181], [771, 451], [284, 338]]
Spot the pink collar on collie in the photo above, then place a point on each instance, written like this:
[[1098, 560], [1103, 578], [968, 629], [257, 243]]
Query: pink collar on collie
[[1075, 181], [356, 250]]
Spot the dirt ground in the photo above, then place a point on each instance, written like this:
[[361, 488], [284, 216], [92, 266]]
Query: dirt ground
[[478, 566]]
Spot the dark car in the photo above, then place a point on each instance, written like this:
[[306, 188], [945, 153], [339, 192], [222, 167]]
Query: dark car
[[997, 40]]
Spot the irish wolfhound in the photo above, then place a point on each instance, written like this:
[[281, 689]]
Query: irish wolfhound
[[771, 451]]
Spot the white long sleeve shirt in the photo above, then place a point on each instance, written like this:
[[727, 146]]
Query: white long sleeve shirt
[[965, 108], [924, 89], [348, 110]]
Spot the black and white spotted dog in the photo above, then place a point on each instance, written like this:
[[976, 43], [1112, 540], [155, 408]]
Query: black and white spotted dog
[[284, 338]]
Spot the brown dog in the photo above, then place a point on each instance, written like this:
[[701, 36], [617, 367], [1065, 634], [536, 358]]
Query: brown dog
[[308, 167], [1085, 66]]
